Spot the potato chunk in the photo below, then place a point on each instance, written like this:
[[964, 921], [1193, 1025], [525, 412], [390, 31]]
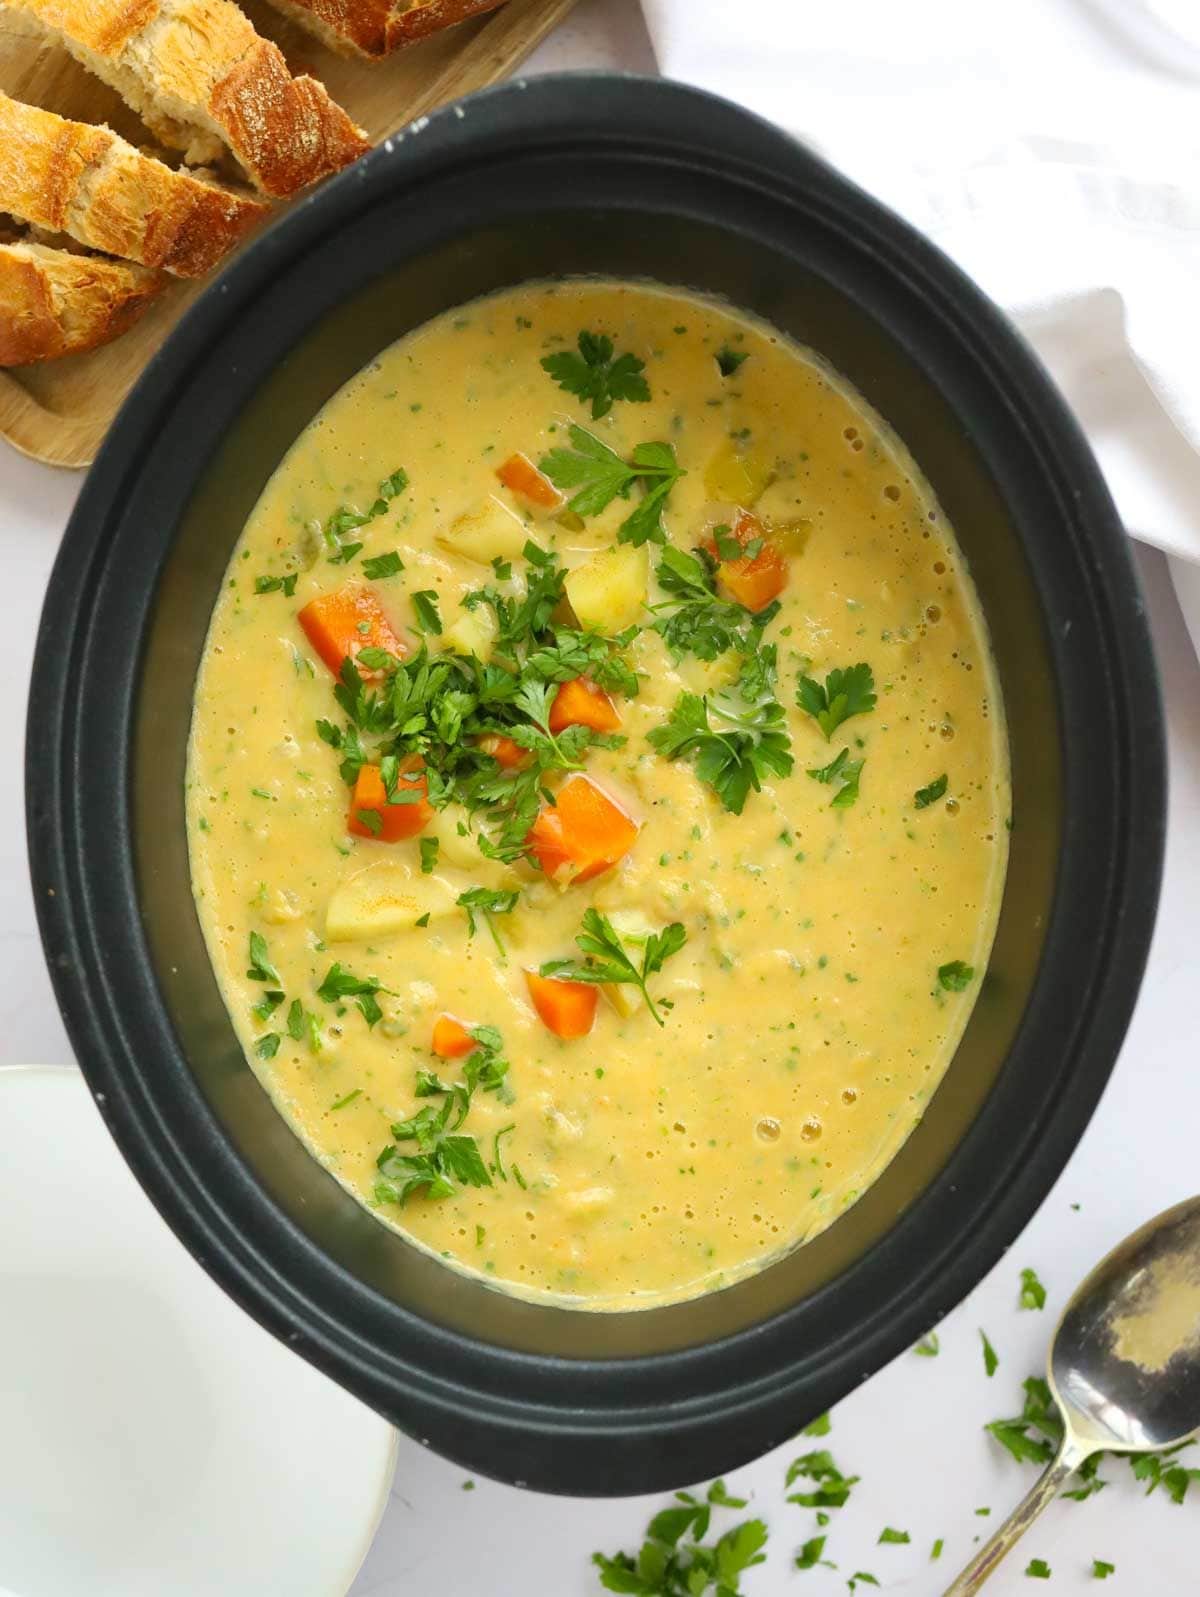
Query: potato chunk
[[472, 632], [383, 899], [492, 532], [607, 592]]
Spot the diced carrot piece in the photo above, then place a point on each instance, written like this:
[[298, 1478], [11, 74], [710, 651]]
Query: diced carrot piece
[[521, 477], [341, 623], [567, 1008], [582, 834], [451, 1039], [396, 821], [581, 703], [503, 750], [755, 581]]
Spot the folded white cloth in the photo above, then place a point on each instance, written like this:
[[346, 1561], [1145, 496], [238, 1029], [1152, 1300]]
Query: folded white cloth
[[1051, 147]]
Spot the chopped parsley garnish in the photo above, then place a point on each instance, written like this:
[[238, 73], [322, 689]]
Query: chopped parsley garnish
[[445, 1159], [693, 619], [1033, 1293], [444, 707], [303, 1026], [267, 1047], [339, 983], [675, 1561], [991, 1360], [344, 520], [736, 736], [377, 567], [1102, 1570], [593, 375], [925, 796], [285, 585], [928, 1347], [1038, 1569], [888, 1535], [348, 1099], [267, 1004], [956, 977], [429, 855], [841, 773], [809, 1556], [860, 1579], [607, 961], [821, 1426], [488, 901], [598, 475], [719, 1495], [425, 606], [935, 1552], [728, 360], [260, 968], [831, 1487], [846, 692]]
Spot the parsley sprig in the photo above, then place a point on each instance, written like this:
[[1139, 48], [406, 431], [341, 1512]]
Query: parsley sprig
[[736, 737], [593, 375], [608, 962], [445, 1158], [845, 693], [597, 475], [489, 901]]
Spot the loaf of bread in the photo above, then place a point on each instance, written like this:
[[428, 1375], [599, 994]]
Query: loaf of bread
[[202, 80], [374, 28], [84, 181], [55, 302]]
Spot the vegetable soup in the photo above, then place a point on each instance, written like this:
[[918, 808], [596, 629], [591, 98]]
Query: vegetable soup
[[598, 792]]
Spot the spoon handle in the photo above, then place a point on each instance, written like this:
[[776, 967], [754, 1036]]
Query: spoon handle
[[1070, 1457]]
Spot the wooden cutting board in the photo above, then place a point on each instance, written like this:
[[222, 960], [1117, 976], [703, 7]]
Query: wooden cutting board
[[59, 411]]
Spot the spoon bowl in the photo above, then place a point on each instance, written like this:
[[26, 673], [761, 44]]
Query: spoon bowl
[[1123, 1367]]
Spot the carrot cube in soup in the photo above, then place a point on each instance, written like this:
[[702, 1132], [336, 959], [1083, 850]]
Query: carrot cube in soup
[[451, 1039], [758, 578], [582, 834], [521, 477], [503, 750], [341, 623], [393, 821], [581, 703], [567, 1008]]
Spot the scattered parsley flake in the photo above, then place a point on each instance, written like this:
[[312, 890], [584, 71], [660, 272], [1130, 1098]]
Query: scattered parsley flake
[[377, 567], [728, 360], [955, 977], [425, 607], [1038, 1569], [809, 1556], [1102, 1570], [842, 773], [831, 1489], [260, 968], [990, 1359], [429, 855], [821, 1426], [889, 1536], [925, 796], [928, 1347], [1033, 1293]]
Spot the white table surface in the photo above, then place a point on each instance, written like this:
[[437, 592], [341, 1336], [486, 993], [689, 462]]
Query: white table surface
[[913, 1432]]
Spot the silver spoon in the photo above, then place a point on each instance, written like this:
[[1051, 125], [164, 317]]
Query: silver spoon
[[1124, 1365]]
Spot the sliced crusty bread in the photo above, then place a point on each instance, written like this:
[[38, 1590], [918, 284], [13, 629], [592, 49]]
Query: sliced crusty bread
[[375, 28], [201, 78], [86, 182], [54, 302]]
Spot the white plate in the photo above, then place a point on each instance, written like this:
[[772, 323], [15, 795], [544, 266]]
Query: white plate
[[153, 1439]]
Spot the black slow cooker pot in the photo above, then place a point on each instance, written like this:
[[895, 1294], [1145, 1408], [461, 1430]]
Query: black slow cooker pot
[[622, 176]]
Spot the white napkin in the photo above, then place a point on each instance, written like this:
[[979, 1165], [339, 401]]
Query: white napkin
[[1052, 147]]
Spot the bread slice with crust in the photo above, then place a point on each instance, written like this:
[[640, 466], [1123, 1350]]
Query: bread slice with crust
[[202, 79], [55, 302], [87, 182], [375, 28]]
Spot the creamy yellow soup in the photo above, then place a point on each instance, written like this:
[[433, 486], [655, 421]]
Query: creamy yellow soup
[[835, 930]]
